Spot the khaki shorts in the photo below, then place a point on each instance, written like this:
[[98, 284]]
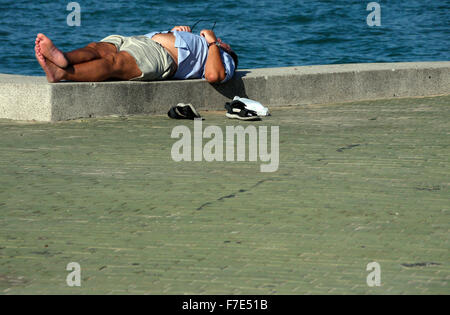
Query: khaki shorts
[[152, 59]]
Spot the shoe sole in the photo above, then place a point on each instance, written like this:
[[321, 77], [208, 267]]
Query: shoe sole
[[235, 116]]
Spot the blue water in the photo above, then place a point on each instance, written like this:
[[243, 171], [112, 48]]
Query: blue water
[[264, 33]]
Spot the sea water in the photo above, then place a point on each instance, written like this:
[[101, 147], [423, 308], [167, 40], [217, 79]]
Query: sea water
[[264, 33]]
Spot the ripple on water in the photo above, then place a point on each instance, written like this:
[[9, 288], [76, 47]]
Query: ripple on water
[[264, 33]]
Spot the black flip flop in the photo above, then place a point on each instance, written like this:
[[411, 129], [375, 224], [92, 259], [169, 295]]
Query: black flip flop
[[183, 111]]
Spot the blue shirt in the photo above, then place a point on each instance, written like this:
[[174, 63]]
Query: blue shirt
[[192, 55]]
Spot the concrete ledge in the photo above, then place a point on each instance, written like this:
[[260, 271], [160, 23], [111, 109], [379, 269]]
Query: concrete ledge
[[32, 98]]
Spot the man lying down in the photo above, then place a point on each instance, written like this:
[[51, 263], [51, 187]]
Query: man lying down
[[177, 54]]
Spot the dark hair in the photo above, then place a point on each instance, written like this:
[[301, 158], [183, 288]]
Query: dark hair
[[235, 58]]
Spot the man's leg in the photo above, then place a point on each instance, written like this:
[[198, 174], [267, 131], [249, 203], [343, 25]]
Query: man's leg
[[90, 52], [118, 66], [62, 60]]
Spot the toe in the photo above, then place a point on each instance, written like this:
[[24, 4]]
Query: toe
[[41, 37]]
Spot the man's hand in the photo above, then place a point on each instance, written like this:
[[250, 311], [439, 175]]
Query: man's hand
[[181, 29], [209, 36], [224, 46]]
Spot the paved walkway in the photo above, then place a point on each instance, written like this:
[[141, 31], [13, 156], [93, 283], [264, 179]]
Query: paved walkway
[[357, 183]]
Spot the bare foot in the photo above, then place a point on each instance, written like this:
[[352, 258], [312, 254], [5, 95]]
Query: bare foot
[[52, 71], [49, 51]]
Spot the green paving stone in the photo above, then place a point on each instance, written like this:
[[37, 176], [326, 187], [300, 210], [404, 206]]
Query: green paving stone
[[357, 183]]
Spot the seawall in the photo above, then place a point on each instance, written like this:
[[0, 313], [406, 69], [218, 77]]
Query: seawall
[[32, 98]]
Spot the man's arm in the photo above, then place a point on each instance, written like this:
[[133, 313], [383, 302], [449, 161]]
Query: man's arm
[[214, 68]]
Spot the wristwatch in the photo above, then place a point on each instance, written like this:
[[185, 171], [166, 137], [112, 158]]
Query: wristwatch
[[214, 43]]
